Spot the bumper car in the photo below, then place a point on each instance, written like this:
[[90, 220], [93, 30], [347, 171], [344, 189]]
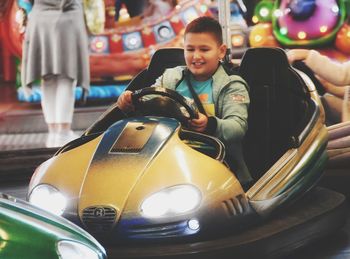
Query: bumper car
[[55, 237], [337, 113], [144, 177], [338, 126]]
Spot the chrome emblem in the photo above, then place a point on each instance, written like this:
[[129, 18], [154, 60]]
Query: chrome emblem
[[99, 212]]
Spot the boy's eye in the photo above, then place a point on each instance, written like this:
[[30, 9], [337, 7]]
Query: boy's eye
[[202, 49], [190, 49]]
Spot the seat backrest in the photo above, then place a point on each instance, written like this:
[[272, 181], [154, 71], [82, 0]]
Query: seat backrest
[[162, 59], [278, 105]]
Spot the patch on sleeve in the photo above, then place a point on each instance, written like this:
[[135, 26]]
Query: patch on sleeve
[[238, 98]]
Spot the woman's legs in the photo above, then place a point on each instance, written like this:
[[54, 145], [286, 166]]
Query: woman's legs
[[58, 107], [48, 105], [65, 99], [48, 102]]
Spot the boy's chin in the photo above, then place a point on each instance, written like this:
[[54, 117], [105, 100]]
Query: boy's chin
[[196, 72], [199, 76]]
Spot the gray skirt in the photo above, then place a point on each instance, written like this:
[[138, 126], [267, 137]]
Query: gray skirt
[[56, 43]]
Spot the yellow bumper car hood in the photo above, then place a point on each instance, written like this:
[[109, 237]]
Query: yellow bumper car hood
[[121, 158]]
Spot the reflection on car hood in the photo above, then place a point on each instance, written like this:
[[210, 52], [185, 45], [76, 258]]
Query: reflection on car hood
[[122, 156]]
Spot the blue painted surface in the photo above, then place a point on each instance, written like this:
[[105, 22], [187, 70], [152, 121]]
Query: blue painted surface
[[96, 93], [25, 4]]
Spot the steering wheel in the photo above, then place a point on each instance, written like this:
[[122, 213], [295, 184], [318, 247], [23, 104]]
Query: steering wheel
[[304, 68], [164, 102]]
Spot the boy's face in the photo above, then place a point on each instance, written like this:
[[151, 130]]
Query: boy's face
[[202, 54]]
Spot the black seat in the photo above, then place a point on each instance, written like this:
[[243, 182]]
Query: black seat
[[161, 60], [279, 110]]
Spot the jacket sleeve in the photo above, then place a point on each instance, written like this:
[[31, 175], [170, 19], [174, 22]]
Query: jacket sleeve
[[336, 73], [158, 82], [169, 78], [233, 113]]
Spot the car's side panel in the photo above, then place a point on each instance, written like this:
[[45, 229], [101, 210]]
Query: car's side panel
[[17, 234], [30, 232], [301, 170]]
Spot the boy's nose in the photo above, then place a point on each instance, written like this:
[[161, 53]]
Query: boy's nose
[[196, 54]]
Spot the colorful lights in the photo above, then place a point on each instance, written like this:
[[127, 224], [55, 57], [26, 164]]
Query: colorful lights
[[278, 13], [307, 22], [237, 40], [258, 38], [203, 8], [264, 12], [132, 41], [323, 29], [284, 30], [335, 9], [99, 44], [261, 35], [302, 35], [255, 19]]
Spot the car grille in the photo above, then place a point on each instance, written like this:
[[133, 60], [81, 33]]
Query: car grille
[[236, 205], [99, 218], [170, 229]]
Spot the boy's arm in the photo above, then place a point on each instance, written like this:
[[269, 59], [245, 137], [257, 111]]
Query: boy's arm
[[234, 120]]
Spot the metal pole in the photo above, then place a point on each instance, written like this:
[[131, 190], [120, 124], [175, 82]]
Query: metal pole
[[224, 19]]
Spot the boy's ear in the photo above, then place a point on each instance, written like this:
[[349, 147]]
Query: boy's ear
[[222, 50]]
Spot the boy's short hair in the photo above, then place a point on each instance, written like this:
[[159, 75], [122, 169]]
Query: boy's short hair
[[205, 24]]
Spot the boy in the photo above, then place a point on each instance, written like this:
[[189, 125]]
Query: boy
[[224, 98]]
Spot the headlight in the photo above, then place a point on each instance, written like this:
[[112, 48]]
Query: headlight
[[171, 201], [48, 198], [70, 249]]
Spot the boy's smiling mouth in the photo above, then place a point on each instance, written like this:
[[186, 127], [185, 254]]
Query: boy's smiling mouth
[[198, 63]]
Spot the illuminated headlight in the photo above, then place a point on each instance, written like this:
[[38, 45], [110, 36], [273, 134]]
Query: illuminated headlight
[[48, 198], [171, 201], [69, 249]]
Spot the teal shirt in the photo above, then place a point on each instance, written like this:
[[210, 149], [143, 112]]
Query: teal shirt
[[204, 90]]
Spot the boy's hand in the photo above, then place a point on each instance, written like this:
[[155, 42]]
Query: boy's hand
[[199, 124], [124, 102]]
